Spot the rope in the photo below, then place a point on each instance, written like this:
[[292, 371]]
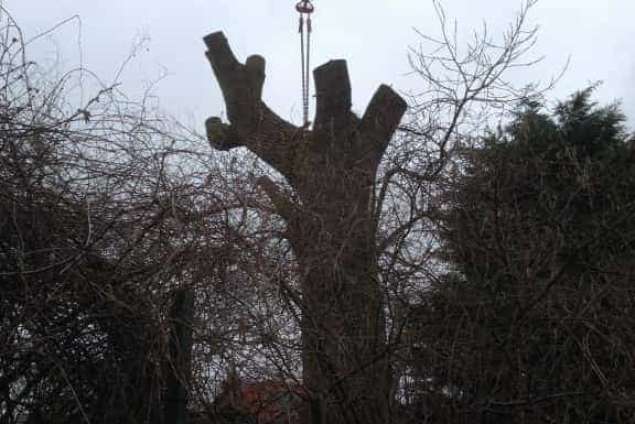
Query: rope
[[307, 74], [305, 8], [305, 113]]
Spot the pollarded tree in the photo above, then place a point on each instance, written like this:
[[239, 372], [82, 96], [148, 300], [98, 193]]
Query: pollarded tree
[[330, 221], [334, 209]]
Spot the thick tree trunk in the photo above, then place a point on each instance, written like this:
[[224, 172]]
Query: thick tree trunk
[[331, 227]]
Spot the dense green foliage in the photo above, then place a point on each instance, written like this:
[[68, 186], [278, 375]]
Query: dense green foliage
[[535, 323]]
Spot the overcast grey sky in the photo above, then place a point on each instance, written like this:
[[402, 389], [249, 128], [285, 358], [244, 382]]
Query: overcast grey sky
[[372, 35]]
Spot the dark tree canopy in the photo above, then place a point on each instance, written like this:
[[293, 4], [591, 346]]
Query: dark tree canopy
[[536, 322]]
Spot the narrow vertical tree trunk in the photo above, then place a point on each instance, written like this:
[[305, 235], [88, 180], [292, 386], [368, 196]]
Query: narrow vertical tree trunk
[[331, 226], [179, 366]]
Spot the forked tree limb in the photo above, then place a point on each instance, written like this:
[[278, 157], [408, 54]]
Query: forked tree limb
[[276, 141], [381, 119], [252, 123], [338, 158]]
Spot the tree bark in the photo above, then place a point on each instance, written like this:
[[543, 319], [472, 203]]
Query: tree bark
[[179, 368], [331, 227]]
